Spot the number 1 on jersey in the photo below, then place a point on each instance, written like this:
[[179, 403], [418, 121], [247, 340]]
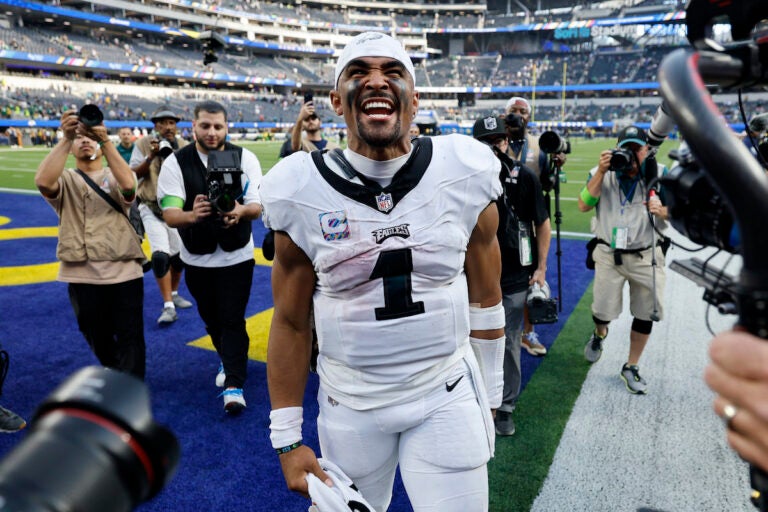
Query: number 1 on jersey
[[394, 268]]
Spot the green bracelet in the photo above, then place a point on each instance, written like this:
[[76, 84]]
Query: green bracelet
[[289, 448], [588, 198], [102, 142]]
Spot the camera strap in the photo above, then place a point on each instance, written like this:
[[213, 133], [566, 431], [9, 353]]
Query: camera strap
[[104, 196]]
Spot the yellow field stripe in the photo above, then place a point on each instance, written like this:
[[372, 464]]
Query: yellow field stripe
[[18, 233], [258, 331], [29, 274]]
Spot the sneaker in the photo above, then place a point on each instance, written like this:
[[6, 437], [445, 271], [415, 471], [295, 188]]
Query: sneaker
[[530, 342], [168, 316], [630, 374], [505, 425], [233, 400], [10, 421], [594, 348], [221, 377], [180, 302]]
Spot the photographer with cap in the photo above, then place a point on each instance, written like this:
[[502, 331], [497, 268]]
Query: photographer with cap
[[217, 245], [306, 134], [755, 138], [392, 243], [98, 248], [524, 148], [524, 235], [628, 248], [146, 161]]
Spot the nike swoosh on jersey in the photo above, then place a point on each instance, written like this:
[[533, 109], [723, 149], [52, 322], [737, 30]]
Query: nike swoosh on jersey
[[449, 387]]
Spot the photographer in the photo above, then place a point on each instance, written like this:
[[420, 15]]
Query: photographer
[[217, 247], [755, 138], [524, 147], [523, 254], [146, 161], [625, 252], [98, 248], [310, 125]]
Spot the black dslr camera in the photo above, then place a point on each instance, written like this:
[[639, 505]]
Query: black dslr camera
[[621, 160], [223, 179], [90, 115], [93, 447]]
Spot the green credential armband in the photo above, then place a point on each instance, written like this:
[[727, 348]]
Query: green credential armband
[[172, 202], [588, 198]]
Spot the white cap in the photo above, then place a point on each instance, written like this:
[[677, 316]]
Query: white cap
[[517, 99], [373, 44]]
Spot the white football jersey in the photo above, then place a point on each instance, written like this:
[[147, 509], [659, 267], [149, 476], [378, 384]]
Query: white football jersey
[[391, 306]]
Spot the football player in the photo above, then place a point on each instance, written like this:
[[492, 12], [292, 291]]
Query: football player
[[393, 243]]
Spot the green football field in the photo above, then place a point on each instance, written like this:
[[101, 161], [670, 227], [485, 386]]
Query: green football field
[[18, 165]]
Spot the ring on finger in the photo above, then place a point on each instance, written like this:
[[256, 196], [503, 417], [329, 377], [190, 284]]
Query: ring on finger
[[729, 412]]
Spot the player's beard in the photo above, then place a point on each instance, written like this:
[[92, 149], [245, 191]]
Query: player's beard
[[378, 137], [374, 134]]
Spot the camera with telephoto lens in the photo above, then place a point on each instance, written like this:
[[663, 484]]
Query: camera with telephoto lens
[[621, 160], [165, 148], [93, 446], [90, 115], [552, 143], [223, 179]]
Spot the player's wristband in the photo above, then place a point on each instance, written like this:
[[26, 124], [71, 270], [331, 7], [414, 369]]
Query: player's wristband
[[588, 198], [481, 319], [102, 142], [289, 448], [285, 426]]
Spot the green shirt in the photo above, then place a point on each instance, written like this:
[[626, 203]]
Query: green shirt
[[125, 152]]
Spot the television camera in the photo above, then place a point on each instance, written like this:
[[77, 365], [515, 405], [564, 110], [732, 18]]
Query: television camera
[[93, 447], [223, 179], [212, 42], [718, 187]]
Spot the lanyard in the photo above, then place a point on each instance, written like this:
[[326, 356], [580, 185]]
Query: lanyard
[[627, 196]]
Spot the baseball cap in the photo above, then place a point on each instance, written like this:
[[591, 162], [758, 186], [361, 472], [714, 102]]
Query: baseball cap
[[372, 44], [164, 114], [632, 134], [759, 123], [519, 101], [487, 127]]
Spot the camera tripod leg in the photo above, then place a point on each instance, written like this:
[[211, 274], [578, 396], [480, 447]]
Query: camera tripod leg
[[655, 313]]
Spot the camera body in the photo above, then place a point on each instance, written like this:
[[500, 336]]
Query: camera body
[[92, 446], [223, 179], [308, 97], [621, 160], [90, 115]]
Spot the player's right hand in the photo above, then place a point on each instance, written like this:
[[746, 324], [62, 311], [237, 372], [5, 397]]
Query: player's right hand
[[296, 464]]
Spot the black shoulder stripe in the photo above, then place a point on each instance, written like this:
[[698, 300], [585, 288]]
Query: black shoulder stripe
[[405, 180]]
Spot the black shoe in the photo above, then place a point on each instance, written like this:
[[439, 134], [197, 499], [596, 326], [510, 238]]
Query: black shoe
[[505, 425]]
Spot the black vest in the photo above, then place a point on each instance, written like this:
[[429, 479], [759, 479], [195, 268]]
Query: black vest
[[203, 237]]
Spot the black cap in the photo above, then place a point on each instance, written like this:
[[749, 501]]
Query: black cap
[[632, 134], [488, 127], [164, 113]]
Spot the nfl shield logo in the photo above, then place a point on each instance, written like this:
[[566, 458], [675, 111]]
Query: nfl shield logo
[[384, 202]]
